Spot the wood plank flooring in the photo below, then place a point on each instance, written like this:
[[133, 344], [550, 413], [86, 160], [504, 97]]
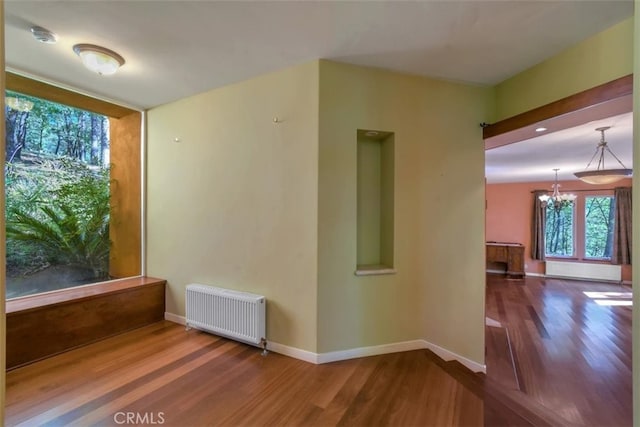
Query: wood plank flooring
[[196, 379], [571, 365], [571, 354]]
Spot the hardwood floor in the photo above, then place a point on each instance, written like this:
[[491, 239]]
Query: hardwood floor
[[567, 362], [569, 353], [196, 379]]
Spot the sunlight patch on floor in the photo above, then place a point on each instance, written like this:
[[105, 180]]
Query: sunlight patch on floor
[[611, 298]]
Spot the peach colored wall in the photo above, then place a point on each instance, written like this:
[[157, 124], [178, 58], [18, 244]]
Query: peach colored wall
[[509, 215]]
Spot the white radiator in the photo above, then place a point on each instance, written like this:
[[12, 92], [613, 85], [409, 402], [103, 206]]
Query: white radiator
[[233, 314], [582, 270]]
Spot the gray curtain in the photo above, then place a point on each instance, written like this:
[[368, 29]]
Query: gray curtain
[[538, 224], [622, 227]]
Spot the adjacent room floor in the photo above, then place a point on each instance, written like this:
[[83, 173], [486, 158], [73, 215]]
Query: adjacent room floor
[[564, 343]]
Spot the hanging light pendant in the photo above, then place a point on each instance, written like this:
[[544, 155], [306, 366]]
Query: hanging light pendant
[[601, 175], [556, 199]]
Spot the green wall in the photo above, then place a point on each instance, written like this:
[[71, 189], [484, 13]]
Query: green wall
[[234, 203], [437, 293], [243, 203], [636, 218], [599, 59]]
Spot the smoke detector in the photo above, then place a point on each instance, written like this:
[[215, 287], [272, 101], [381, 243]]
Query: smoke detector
[[43, 35]]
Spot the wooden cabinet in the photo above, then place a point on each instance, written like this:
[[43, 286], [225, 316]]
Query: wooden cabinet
[[511, 254]]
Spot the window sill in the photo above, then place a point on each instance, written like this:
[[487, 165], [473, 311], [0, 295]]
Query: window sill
[[78, 293], [374, 270]]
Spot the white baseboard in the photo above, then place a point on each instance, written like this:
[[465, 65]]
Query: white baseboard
[[294, 352], [375, 350], [445, 354], [353, 353], [492, 322], [535, 274], [180, 320], [496, 271]]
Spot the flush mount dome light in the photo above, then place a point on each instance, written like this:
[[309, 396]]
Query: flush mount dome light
[[99, 59]]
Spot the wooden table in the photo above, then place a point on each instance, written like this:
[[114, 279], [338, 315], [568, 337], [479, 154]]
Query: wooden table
[[511, 254]]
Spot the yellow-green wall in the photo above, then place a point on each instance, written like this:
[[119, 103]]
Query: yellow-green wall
[[636, 218], [234, 202], [437, 293], [599, 59], [244, 203]]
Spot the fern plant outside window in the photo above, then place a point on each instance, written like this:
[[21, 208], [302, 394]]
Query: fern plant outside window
[[57, 197]]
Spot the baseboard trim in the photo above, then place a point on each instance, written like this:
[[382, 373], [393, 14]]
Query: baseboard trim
[[354, 353], [294, 352], [488, 321], [535, 274], [180, 320], [447, 355]]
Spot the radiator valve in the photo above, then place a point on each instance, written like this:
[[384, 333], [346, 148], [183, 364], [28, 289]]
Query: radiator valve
[[263, 343]]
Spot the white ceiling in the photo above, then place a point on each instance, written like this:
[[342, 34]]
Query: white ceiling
[[569, 149], [174, 49]]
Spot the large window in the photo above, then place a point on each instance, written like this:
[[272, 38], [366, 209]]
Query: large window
[[582, 230], [57, 195], [73, 188], [598, 221], [559, 232]]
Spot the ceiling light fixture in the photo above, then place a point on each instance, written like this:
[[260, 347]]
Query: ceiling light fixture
[[601, 175], [541, 129], [99, 59], [556, 199], [43, 35]]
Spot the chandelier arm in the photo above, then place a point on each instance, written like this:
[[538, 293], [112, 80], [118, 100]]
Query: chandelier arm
[[615, 157], [594, 156], [601, 159]]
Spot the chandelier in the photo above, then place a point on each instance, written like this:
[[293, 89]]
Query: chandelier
[[600, 175], [557, 200]]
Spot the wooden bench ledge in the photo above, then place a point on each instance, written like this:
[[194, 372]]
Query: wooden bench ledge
[[40, 326], [78, 293]]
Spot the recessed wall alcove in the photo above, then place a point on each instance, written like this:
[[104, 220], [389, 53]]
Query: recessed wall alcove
[[375, 200]]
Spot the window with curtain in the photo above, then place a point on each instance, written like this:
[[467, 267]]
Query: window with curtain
[[594, 227], [559, 231]]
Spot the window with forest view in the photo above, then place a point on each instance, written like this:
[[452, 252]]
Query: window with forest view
[[598, 221], [57, 196], [589, 239], [559, 230]]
